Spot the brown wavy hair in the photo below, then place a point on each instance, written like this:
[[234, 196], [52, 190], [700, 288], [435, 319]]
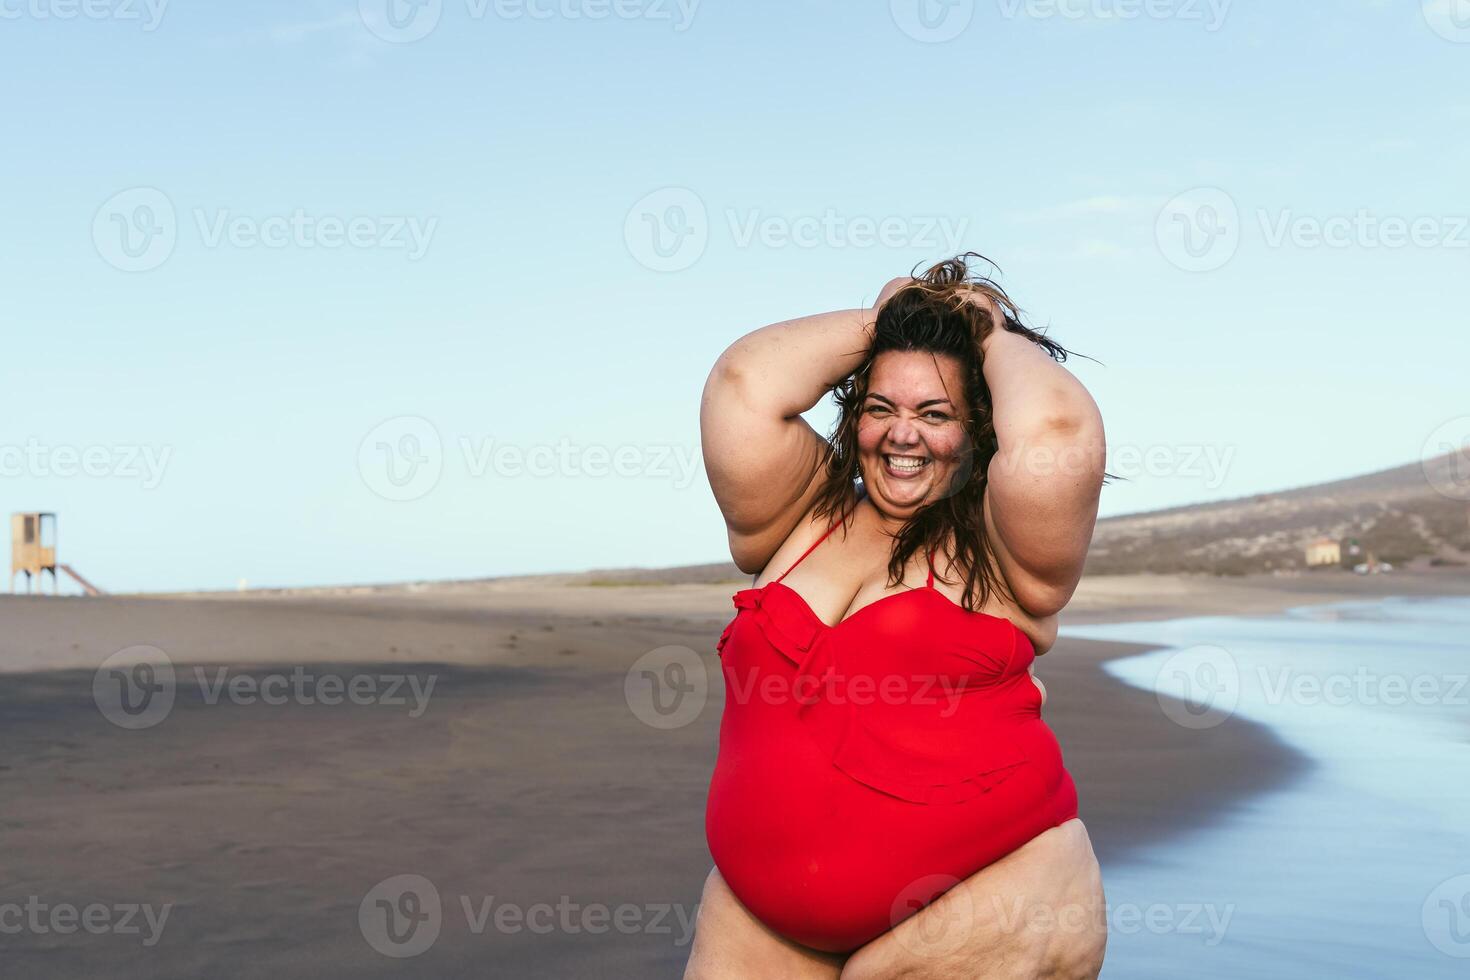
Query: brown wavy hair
[[934, 314]]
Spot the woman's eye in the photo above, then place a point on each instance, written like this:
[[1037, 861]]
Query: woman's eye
[[877, 410], [937, 416]]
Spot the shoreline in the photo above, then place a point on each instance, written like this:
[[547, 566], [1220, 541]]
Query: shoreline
[[478, 623], [527, 777]]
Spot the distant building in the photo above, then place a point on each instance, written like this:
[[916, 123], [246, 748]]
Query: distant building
[[1323, 551], [33, 551], [32, 548]]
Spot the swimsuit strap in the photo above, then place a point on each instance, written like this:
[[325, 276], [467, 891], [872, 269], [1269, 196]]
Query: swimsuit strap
[[811, 549], [930, 583]]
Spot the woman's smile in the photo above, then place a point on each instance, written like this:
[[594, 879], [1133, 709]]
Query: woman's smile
[[905, 467]]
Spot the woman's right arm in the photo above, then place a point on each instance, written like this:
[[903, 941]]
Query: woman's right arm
[[764, 461]]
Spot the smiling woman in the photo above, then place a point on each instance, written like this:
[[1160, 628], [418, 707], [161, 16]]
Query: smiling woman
[[918, 421], [847, 830]]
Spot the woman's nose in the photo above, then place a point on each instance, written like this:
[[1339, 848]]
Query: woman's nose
[[903, 432]]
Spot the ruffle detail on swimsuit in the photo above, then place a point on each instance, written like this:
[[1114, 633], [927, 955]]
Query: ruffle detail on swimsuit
[[793, 635]]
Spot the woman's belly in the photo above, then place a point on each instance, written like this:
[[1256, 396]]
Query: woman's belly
[[833, 862]]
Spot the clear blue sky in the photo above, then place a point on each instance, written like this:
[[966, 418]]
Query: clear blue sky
[[536, 311]]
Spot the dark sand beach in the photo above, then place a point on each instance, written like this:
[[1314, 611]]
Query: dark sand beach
[[490, 749]]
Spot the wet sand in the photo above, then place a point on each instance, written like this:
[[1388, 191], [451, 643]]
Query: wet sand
[[521, 778]]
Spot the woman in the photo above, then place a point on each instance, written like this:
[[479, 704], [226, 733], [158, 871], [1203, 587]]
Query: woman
[[887, 800]]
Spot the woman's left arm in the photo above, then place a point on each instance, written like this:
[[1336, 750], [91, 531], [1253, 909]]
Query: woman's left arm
[[1046, 477]]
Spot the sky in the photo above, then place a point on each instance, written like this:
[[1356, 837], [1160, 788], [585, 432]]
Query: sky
[[317, 292]]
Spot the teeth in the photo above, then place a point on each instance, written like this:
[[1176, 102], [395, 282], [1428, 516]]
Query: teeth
[[906, 462]]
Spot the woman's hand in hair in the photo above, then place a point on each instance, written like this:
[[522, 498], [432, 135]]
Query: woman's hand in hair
[[995, 314], [894, 285]]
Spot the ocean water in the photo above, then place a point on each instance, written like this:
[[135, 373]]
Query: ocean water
[[1359, 869]]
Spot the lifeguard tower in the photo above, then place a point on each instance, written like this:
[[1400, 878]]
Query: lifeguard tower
[[33, 551]]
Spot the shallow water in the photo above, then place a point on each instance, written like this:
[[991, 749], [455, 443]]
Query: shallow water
[[1359, 869]]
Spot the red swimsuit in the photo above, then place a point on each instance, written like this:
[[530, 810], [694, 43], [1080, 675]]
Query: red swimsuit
[[866, 768]]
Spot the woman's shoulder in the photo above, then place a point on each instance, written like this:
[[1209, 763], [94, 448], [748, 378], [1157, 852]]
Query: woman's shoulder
[[813, 525], [950, 578]]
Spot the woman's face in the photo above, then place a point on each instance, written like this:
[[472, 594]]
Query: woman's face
[[911, 437]]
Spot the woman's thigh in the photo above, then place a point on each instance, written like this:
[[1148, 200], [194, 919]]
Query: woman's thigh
[[732, 944], [1036, 913]]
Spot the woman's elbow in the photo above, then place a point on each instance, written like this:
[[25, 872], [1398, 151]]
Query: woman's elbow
[[1042, 598]]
